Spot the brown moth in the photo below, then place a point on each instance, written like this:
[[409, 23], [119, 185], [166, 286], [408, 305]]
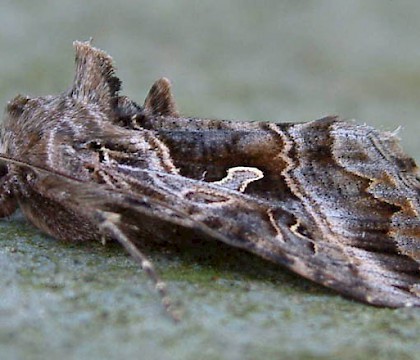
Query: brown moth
[[335, 202]]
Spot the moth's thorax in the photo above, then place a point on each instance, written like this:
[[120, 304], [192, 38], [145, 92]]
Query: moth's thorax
[[48, 131]]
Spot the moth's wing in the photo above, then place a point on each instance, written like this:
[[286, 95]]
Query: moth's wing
[[323, 236], [334, 202], [391, 178], [363, 192], [335, 259]]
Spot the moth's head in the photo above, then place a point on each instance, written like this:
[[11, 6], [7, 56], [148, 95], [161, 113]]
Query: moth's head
[[17, 111], [14, 110], [20, 120], [17, 106]]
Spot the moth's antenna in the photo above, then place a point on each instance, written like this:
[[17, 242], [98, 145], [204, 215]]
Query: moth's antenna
[[108, 222]]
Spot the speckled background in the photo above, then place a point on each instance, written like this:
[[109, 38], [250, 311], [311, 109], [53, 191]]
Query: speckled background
[[265, 60]]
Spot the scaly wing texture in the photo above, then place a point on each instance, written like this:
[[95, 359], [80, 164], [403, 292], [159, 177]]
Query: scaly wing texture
[[362, 191], [330, 227]]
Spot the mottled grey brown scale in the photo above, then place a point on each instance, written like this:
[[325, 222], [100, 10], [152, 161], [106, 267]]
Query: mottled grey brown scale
[[335, 202], [349, 210], [363, 221], [208, 154], [392, 182]]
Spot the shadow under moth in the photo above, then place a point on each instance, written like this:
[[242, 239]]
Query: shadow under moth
[[335, 202]]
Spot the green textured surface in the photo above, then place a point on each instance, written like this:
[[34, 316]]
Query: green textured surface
[[267, 60]]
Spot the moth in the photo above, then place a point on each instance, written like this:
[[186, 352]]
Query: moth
[[336, 202]]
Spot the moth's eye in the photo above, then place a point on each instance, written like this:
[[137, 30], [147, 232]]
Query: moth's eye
[[94, 145]]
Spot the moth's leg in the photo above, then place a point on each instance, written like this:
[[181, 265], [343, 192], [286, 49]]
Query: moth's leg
[[8, 202], [109, 224]]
